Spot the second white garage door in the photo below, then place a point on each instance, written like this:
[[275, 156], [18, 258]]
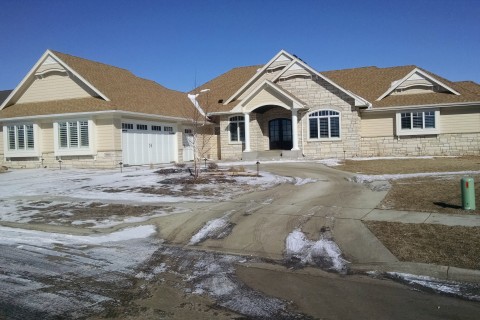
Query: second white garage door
[[148, 142]]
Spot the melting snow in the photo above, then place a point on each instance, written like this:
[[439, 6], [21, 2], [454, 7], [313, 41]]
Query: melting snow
[[362, 178], [324, 252], [464, 290], [216, 228]]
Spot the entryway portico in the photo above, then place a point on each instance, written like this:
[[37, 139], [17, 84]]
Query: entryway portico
[[271, 119]]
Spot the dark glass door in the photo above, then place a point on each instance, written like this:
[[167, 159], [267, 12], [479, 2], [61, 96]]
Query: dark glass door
[[280, 133]]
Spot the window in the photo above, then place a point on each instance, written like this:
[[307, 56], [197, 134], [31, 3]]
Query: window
[[418, 120], [156, 128], [237, 129], [73, 134], [127, 126], [20, 137], [188, 131], [168, 129], [324, 124], [142, 127]]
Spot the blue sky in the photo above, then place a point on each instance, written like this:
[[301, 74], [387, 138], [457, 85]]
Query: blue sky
[[176, 42]]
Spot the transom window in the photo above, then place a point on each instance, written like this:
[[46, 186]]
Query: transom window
[[237, 128], [20, 137], [324, 124], [142, 127], [156, 128], [73, 134], [418, 120], [168, 129], [127, 126]]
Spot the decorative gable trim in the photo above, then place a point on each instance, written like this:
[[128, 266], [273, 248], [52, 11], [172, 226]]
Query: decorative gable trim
[[281, 59], [416, 73], [298, 67], [297, 103], [49, 58]]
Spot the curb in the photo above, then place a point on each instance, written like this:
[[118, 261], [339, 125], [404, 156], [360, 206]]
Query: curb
[[422, 269]]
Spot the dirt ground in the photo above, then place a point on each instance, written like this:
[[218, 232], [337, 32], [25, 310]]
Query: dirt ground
[[430, 243]]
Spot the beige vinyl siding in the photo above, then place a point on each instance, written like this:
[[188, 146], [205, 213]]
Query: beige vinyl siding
[[266, 97], [377, 124], [46, 137], [460, 120], [254, 85], [1, 142], [53, 87], [108, 134]]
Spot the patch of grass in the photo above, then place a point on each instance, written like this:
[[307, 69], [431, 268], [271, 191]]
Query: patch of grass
[[468, 163], [430, 243], [440, 194]]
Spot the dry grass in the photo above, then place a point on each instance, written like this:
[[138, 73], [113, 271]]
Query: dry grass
[[430, 243], [433, 194], [470, 163]]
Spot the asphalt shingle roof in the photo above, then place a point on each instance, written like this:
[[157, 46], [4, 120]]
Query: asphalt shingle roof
[[126, 91]]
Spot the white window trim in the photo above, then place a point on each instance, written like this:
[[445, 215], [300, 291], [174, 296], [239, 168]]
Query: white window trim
[[417, 132], [35, 152], [325, 139], [239, 141], [79, 151]]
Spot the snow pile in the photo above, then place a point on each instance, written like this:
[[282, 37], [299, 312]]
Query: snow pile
[[324, 252], [468, 291], [363, 178], [213, 229], [330, 162]]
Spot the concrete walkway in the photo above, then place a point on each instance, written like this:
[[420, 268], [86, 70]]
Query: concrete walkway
[[465, 220]]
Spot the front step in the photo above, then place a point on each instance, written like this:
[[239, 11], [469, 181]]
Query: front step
[[272, 155]]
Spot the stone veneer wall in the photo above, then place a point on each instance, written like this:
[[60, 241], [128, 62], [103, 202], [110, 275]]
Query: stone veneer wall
[[103, 160], [230, 150], [320, 95], [451, 144]]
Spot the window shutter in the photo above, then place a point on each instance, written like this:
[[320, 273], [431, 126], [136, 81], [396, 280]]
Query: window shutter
[[21, 137], [30, 140], [84, 134], [62, 133], [11, 138]]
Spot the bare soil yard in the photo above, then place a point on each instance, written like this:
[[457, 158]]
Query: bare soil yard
[[430, 243]]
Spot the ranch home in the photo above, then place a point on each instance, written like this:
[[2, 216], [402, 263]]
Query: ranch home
[[292, 110], [88, 114]]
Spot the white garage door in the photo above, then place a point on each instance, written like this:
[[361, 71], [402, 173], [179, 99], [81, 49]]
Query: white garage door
[[148, 142]]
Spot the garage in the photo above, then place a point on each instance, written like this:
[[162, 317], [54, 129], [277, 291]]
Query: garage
[[148, 142]]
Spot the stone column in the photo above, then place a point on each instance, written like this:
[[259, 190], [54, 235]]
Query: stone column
[[247, 132], [294, 130]]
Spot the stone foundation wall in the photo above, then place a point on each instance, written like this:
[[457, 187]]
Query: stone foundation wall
[[453, 144], [103, 160]]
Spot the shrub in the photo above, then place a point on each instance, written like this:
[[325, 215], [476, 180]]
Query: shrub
[[212, 166]]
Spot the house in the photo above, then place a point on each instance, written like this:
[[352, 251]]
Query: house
[[76, 112], [289, 109]]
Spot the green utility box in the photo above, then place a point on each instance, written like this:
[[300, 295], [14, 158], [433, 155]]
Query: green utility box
[[468, 193]]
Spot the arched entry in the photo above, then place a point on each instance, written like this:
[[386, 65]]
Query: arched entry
[[280, 134]]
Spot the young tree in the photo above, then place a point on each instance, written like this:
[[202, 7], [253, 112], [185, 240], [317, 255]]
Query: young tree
[[202, 130]]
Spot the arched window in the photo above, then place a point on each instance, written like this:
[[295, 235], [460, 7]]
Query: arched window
[[237, 128], [324, 124]]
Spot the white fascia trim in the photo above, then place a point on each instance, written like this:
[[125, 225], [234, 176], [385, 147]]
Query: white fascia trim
[[66, 66], [359, 101], [390, 90], [193, 99], [83, 114], [424, 106], [31, 74], [263, 85], [257, 75]]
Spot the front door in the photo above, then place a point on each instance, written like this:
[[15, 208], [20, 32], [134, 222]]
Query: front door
[[280, 133]]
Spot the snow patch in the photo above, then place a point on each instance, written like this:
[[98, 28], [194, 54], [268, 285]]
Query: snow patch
[[464, 290], [324, 252], [362, 178], [216, 228]]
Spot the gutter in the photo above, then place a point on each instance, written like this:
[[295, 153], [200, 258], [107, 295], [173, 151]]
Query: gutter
[[424, 106], [77, 114]]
